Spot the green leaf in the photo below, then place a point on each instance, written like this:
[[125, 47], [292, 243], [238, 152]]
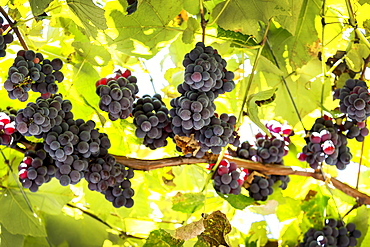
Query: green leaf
[[191, 6], [51, 197], [356, 55], [189, 32], [36, 241], [314, 207], [16, 216], [144, 32], [38, 6], [161, 238], [236, 37], [290, 233], [88, 13], [217, 227], [75, 229], [188, 203], [237, 201], [258, 234], [9, 240], [298, 48], [96, 55], [243, 16], [360, 217], [253, 108]]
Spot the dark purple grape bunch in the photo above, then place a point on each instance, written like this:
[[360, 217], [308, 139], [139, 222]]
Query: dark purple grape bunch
[[205, 70], [117, 97], [270, 149], [31, 71], [152, 121], [357, 130], [354, 99], [191, 112], [326, 143], [260, 187], [40, 117], [72, 145], [36, 168], [334, 233], [283, 178], [111, 179], [228, 178], [246, 151], [5, 38], [218, 134]]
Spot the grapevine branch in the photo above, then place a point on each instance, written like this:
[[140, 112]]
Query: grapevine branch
[[268, 169], [14, 27], [147, 165]]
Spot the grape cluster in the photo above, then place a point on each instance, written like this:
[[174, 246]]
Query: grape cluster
[[261, 188], [326, 143], [191, 112], [117, 96], [356, 130], [42, 116], [227, 178], [218, 134], [152, 121], [5, 37], [283, 178], [246, 151], [334, 233], [7, 127], [111, 179], [36, 168], [29, 67], [270, 149], [205, 71], [72, 145], [354, 99]]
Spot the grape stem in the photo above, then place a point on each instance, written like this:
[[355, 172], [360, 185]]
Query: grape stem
[[203, 21], [122, 234], [14, 27], [360, 163], [251, 76], [366, 63]]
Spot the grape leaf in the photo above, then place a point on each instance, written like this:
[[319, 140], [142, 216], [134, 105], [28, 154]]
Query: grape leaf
[[360, 217], [257, 234], [9, 240], [253, 108], [88, 13], [161, 238], [191, 230], [250, 12], [237, 201], [51, 198], [38, 6], [189, 32], [217, 227], [236, 37], [16, 216], [144, 32], [314, 207], [188, 202], [76, 230]]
